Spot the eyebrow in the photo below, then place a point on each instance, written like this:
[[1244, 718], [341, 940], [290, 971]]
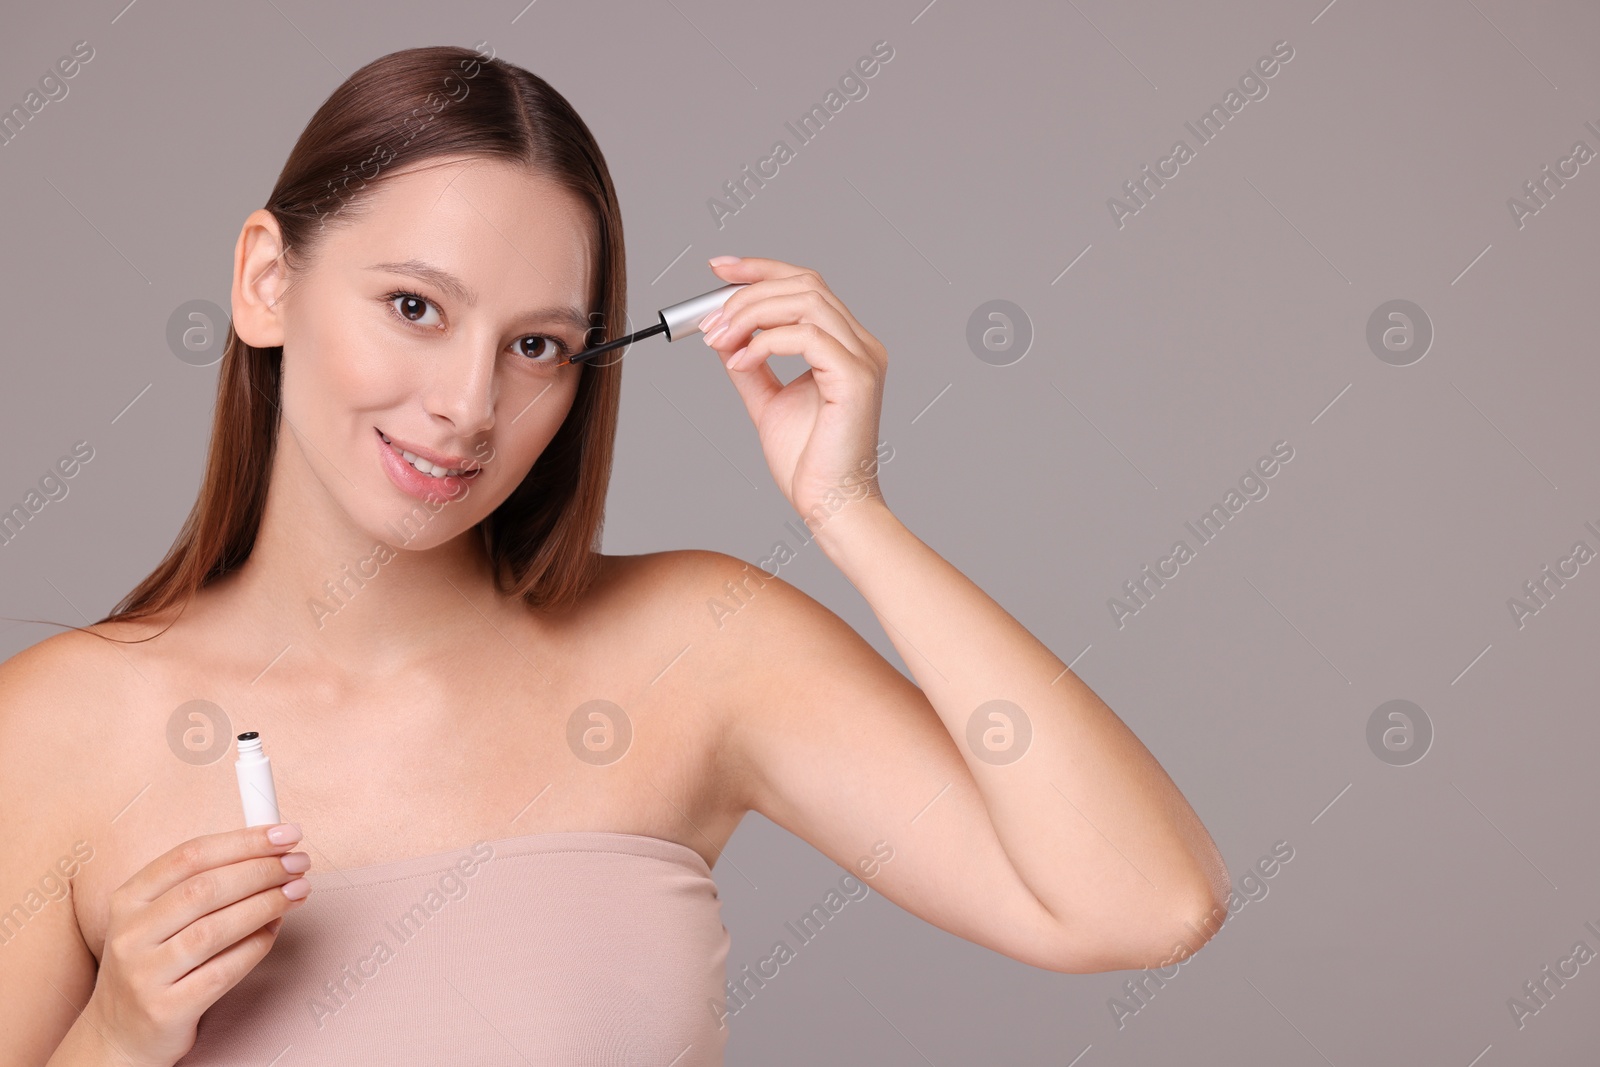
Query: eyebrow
[[457, 289]]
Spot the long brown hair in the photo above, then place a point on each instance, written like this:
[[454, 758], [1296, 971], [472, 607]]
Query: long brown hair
[[401, 109]]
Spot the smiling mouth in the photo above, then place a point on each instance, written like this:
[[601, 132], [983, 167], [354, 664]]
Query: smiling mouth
[[430, 469]]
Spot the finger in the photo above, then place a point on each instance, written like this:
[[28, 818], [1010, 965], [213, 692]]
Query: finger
[[797, 285], [205, 937], [801, 306], [231, 963], [203, 853], [755, 268], [785, 277], [760, 283], [755, 384], [831, 364], [208, 891]]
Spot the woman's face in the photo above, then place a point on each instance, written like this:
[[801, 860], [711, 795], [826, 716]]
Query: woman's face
[[433, 317]]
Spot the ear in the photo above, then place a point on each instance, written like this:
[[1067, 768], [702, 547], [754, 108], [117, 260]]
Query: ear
[[259, 280]]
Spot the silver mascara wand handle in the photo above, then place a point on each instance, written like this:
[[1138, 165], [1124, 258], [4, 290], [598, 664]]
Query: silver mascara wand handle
[[683, 318], [677, 320]]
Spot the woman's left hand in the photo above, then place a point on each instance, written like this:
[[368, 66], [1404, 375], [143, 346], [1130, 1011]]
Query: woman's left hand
[[819, 432]]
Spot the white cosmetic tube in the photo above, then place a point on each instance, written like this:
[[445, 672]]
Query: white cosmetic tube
[[255, 782]]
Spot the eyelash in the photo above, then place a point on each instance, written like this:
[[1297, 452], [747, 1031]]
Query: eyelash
[[563, 349]]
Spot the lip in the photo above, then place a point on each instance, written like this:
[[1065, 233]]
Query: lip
[[423, 486], [438, 459]]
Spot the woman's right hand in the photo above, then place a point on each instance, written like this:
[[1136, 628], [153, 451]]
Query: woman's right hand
[[185, 929]]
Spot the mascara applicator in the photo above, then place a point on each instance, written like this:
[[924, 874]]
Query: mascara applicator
[[676, 321]]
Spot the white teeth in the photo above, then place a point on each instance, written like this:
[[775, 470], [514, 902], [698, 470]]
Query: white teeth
[[421, 464], [425, 467]]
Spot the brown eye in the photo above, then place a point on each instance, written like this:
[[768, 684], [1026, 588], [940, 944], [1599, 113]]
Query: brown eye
[[541, 349], [411, 307]]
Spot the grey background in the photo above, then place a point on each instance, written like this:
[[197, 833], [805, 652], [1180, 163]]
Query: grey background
[[1227, 315]]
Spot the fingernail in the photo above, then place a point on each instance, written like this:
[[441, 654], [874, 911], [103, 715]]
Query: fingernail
[[716, 332], [284, 834], [722, 261], [710, 320], [297, 889], [296, 862], [736, 361]]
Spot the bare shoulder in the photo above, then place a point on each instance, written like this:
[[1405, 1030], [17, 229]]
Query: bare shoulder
[[46, 684], [58, 704], [704, 594], [64, 713], [80, 661], [68, 703], [665, 571], [752, 639], [53, 731]]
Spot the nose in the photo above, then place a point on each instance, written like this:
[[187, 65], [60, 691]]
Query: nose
[[461, 387]]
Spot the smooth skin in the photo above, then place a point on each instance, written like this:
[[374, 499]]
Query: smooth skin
[[186, 928], [423, 710]]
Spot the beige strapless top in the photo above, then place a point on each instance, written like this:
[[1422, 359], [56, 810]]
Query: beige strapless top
[[574, 947]]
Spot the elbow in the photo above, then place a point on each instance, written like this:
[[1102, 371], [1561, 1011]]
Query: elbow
[[1159, 939], [1191, 917], [1181, 932], [1199, 919], [1187, 925], [1175, 936]]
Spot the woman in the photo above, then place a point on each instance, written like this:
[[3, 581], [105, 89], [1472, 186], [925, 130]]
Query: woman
[[512, 760]]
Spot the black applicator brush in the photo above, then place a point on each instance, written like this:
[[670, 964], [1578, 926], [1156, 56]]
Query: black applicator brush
[[679, 320]]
